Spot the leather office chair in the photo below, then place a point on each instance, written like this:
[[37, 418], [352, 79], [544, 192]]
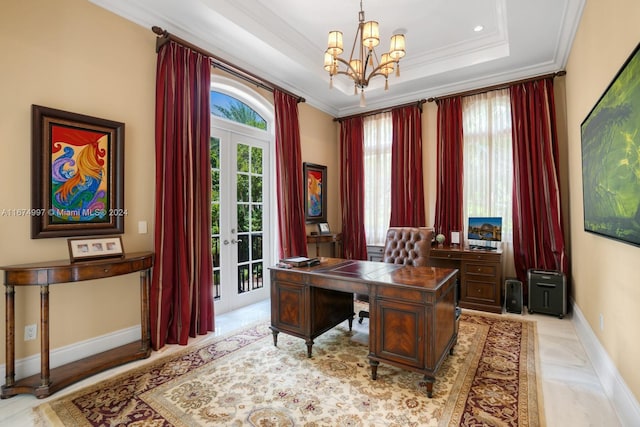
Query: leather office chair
[[403, 245]]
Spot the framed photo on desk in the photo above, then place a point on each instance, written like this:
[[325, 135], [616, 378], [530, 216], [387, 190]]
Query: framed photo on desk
[[323, 228]]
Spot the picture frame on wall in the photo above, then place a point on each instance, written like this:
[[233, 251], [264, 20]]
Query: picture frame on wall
[[315, 191], [95, 248], [610, 167], [77, 169]]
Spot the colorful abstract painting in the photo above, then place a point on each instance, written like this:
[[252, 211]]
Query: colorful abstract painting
[[315, 191], [79, 166]]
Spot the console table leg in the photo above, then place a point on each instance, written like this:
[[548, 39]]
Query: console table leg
[[145, 324], [374, 369], [10, 330], [44, 335], [309, 346]]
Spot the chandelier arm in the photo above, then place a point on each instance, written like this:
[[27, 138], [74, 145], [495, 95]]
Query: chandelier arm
[[349, 67], [375, 72]]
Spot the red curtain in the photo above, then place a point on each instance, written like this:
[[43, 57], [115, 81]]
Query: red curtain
[[407, 187], [352, 188], [181, 288], [538, 236], [293, 233], [448, 215]]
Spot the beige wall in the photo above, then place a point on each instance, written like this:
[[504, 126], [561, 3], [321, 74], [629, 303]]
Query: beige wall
[[604, 272], [74, 56]]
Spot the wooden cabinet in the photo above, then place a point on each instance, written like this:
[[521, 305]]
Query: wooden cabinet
[[375, 253], [480, 275]]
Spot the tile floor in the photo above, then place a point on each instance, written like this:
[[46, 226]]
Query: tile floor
[[572, 393]]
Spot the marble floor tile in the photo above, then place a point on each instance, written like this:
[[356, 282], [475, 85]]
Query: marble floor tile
[[572, 392]]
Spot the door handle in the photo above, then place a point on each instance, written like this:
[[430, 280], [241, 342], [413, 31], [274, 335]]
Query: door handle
[[236, 241]]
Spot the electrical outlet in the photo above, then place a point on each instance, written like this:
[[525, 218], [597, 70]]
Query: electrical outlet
[[30, 332]]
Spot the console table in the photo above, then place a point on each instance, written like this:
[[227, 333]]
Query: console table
[[480, 275], [48, 273], [335, 238], [412, 323]]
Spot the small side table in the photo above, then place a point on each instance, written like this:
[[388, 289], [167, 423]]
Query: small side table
[[333, 238]]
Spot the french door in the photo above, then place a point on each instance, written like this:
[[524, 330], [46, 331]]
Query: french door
[[239, 214]]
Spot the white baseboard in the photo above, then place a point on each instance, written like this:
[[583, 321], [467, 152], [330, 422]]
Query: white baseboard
[[621, 398], [63, 355]]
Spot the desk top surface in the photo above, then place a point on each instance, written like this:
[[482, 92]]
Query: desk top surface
[[379, 272]]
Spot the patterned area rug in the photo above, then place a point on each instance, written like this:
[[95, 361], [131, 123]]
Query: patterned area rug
[[243, 380]]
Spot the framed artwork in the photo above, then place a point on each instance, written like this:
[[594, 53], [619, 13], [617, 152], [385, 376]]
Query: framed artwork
[[315, 190], [103, 247], [323, 228], [77, 170], [610, 165]]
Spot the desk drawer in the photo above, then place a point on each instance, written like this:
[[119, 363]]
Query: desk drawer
[[445, 254], [476, 269], [483, 292], [484, 257]]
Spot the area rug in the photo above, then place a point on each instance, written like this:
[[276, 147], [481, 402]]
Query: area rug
[[244, 380]]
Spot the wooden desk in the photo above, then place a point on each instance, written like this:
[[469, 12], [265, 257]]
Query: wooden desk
[[412, 309], [334, 239], [48, 273], [480, 275]]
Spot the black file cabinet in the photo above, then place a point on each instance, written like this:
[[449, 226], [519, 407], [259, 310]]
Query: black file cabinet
[[547, 292]]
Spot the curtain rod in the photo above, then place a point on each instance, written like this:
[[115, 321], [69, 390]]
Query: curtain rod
[[497, 87], [381, 110], [164, 36]]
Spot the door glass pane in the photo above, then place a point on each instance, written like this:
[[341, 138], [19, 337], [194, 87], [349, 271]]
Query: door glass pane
[[256, 160], [214, 154], [256, 246], [243, 158], [243, 187]]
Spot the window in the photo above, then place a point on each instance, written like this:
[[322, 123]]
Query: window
[[230, 108], [488, 159], [377, 177]]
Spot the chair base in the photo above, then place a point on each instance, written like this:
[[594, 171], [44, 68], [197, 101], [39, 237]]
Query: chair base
[[362, 314]]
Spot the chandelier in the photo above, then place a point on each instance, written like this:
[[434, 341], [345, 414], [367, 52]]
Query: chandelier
[[363, 63]]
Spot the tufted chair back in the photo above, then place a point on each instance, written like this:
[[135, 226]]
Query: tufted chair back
[[403, 245], [408, 246]]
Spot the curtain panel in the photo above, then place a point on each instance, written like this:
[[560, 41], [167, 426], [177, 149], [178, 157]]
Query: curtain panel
[[407, 195], [538, 235], [352, 187], [181, 303], [289, 177], [449, 191]]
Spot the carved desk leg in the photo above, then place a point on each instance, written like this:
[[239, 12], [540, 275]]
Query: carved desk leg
[[309, 346], [374, 369], [430, 381], [275, 335]]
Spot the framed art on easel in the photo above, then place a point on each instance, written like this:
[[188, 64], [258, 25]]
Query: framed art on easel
[[315, 190]]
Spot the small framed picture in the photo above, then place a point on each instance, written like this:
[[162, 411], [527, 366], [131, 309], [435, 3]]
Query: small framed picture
[[323, 228], [102, 247]]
